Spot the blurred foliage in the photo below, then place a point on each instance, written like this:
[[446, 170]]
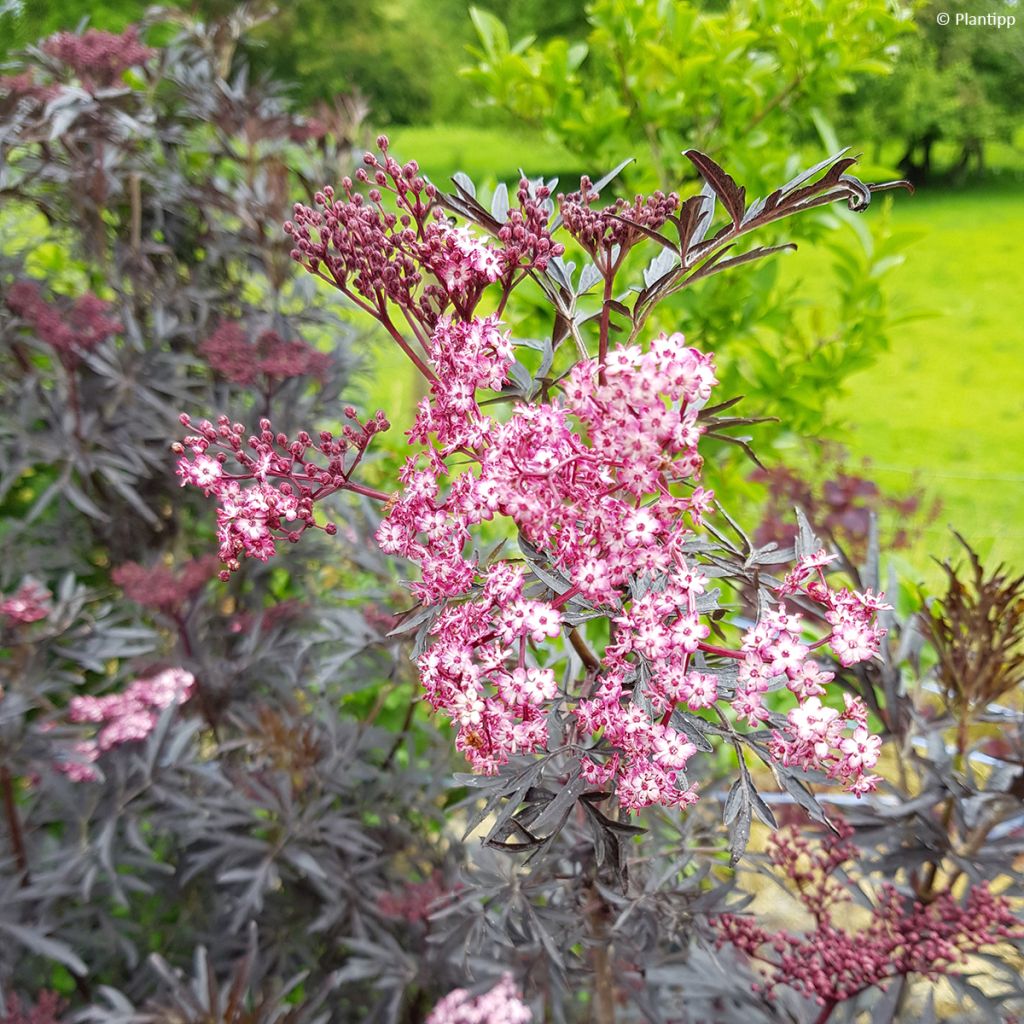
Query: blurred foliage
[[672, 69], [740, 81], [400, 55]]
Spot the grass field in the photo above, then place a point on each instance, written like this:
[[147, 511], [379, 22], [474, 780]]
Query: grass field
[[943, 408], [945, 405]]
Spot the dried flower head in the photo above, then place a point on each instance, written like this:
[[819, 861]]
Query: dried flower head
[[230, 353], [977, 630]]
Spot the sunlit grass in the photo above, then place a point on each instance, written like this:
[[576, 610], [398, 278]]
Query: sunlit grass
[[946, 404]]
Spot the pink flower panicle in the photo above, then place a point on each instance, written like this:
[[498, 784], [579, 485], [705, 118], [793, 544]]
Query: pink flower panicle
[[903, 936], [503, 1004], [279, 479], [230, 353], [99, 58], [576, 477], [126, 717], [29, 603], [601, 482], [69, 329], [162, 588], [413, 258]]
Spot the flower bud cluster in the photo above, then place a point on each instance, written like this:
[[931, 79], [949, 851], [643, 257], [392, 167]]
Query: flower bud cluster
[[69, 329], [413, 258], [416, 901], [25, 90], [619, 225], [29, 603], [126, 717], [230, 354], [254, 511], [503, 1004], [902, 936], [162, 588]]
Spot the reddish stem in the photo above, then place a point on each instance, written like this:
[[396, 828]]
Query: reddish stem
[[204, 701], [14, 823], [567, 596], [407, 348], [590, 660], [722, 652], [602, 349], [368, 492], [826, 1011]]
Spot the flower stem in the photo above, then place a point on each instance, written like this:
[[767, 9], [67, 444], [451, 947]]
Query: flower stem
[[606, 309], [14, 823], [427, 372], [367, 492], [604, 983], [826, 1011], [205, 705], [722, 652], [587, 656]]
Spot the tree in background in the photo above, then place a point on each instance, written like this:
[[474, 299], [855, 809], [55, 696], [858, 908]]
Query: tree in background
[[958, 85]]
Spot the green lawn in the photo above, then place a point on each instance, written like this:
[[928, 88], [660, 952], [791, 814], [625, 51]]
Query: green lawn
[[485, 154], [945, 404]]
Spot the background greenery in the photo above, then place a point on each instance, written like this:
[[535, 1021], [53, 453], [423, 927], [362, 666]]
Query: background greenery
[[944, 105]]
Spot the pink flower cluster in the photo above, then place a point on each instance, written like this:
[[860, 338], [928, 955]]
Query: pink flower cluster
[[29, 603], [503, 1004], [162, 588], [851, 614], [573, 477], [125, 717], [99, 58], [903, 936], [68, 329], [253, 512], [230, 353]]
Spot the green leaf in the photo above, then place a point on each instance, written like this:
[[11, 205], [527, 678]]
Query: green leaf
[[491, 30]]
